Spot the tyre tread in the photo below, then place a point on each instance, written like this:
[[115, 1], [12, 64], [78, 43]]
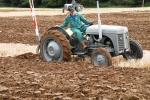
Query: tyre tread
[[64, 42], [105, 52]]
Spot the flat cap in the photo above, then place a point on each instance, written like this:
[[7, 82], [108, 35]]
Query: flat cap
[[71, 9]]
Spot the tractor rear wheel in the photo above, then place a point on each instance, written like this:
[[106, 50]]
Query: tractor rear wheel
[[136, 51], [79, 7], [101, 56], [55, 46]]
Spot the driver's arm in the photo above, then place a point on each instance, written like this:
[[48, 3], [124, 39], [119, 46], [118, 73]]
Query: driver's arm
[[65, 23], [84, 20]]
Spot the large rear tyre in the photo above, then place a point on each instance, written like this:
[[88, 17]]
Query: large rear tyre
[[55, 46], [79, 7], [101, 56], [136, 51]]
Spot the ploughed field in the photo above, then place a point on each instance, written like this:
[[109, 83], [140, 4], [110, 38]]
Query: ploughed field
[[27, 76]]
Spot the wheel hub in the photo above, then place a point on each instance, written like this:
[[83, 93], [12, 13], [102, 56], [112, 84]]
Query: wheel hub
[[100, 59], [53, 50]]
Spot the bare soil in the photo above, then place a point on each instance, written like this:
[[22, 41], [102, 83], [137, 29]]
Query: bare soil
[[28, 77]]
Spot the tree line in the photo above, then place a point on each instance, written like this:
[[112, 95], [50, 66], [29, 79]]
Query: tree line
[[86, 3]]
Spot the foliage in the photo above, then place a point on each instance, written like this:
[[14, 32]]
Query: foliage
[[86, 3], [126, 2], [52, 3], [147, 4]]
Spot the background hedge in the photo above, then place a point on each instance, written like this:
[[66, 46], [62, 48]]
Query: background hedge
[[86, 3]]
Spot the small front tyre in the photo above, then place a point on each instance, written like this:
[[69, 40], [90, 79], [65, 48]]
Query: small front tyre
[[100, 56]]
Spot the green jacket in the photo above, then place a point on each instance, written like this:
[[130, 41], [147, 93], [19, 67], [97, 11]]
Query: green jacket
[[77, 23]]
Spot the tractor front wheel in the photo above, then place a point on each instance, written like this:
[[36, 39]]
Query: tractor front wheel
[[101, 56], [136, 51], [63, 10], [55, 46]]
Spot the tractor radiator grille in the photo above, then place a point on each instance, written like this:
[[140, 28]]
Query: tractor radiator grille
[[121, 41]]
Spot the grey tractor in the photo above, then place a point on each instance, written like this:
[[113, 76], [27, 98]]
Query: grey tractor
[[103, 41]]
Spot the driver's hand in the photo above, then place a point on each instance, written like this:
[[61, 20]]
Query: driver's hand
[[56, 26], [91, 23]]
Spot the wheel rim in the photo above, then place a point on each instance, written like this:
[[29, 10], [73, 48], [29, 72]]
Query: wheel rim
[[79, 8], [99, 59], [133, 54], [51, 49]]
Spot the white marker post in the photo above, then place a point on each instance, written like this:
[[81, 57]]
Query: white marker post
[[99, 22], [143, 3], [35, 24]]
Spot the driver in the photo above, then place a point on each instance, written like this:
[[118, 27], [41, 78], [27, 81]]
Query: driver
[[76, 21], [74, 3]]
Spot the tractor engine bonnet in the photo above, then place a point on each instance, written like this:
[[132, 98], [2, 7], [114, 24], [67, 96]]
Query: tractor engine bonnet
[[67, 6], [93, 29]]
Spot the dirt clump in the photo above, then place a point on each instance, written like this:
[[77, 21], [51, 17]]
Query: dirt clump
[[27, 76]]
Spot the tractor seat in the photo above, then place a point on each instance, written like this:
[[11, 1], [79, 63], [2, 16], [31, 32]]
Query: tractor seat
[[70, 33]]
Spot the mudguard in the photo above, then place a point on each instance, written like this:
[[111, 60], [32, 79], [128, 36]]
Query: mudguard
[[62, 31], [71, 40]]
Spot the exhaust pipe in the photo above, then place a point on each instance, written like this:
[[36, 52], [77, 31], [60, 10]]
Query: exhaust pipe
[[99, 23]]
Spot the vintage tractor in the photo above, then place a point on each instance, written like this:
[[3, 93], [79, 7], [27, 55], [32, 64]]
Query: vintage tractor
[[78, 7], [103, 41]]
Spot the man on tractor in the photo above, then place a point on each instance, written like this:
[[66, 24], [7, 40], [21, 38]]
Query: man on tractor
[[74, 3], [76, 21]]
